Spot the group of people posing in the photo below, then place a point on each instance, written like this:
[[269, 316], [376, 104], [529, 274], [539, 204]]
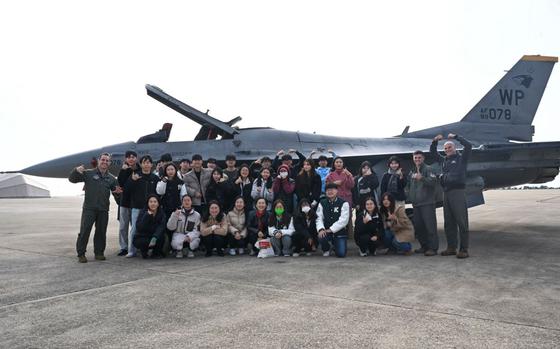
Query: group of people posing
[[300, 207]]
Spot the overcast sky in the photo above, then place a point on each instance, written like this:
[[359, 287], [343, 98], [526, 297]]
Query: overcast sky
[[73, 73]]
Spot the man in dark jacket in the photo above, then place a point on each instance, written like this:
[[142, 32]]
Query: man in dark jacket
[[421, 189], [98, 184], [289, 161], [333, 214], [140, 184], [128, 167], [453, 180]]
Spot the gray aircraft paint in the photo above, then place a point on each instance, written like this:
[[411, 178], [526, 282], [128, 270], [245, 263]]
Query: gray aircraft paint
[[503, 115]]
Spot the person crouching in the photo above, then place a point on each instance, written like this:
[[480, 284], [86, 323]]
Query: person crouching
[[333, 214], [185, 223], [150, 228], [214, 227], [280, 229]]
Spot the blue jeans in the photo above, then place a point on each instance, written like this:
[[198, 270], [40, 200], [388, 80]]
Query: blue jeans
[[339, 242], [392, 243], [135, 212]]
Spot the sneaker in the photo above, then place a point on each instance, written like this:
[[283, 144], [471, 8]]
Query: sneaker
[[390, 251], [295, 254], [363, 254], [308, 254], [130, 255], [220, 252], [408, 253], [100, 257], [463, 254], [241, 251], [190, 254], [420, 250], [252, 252], [232, 251], [122, 253], [326, 254], [208, 253], [82, 259], [150, 252], [430, 253], [449, 252], [179, 254]]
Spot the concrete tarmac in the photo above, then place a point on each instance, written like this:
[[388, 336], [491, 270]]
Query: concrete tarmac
[[506, 295]]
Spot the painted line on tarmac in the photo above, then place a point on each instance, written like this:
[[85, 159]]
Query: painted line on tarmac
[[388, 305], [184, 274], [63, 295]]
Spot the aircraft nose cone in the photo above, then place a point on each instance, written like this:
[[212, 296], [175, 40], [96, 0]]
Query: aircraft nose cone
[[61, 167]]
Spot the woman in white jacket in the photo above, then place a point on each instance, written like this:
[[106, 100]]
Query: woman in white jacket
[[262, 188], [185, 223], [280, 229]]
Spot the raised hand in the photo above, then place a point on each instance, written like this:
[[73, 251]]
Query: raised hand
[[80, 169]]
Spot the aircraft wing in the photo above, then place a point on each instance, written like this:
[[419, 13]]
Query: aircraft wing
[[188, 111]]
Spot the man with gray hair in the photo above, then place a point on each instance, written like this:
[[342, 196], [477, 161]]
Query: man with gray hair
[[98, 185], [453, 180]]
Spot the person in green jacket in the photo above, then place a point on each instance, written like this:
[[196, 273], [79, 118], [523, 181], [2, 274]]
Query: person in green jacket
[[421, 189], [98, 185]]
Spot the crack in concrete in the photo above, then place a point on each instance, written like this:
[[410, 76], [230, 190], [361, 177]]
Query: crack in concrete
[[258, 286]]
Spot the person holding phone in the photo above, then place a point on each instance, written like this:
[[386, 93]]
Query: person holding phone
[[185, 223]]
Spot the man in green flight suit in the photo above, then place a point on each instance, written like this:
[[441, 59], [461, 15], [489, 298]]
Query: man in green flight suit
[[98, 184]]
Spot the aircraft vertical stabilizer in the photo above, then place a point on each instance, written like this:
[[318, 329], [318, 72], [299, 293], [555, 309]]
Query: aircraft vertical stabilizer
[[516, 97]]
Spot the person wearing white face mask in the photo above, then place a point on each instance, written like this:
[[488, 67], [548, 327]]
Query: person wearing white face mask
[[284, 187], [305, 236]]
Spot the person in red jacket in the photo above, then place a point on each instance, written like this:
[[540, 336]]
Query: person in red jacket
[[345, 182], [343, 179], [284, 187]]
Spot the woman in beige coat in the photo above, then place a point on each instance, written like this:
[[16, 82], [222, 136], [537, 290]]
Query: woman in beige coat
[[237, 226], [213, 229], [399, 231]]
